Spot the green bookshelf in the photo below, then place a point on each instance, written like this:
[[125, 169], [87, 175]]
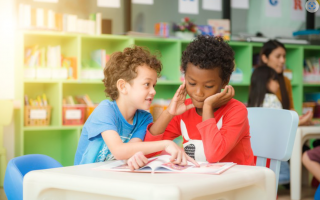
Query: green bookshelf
[[60, 142]]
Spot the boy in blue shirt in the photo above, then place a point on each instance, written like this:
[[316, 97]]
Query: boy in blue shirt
[[116, 129]]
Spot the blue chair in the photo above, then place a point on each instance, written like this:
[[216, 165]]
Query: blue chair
[[272, 135], [18, 167], [317, 194]]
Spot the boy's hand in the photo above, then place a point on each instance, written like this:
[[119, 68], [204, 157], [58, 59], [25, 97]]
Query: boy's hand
[[220, 99], [178, 156], [177, 105], [137, 161]]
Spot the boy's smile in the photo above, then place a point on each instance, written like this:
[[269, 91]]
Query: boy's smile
[[202, 83]]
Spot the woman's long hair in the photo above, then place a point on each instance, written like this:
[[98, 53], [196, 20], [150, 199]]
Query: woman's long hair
[[259, 85], [266, 50]]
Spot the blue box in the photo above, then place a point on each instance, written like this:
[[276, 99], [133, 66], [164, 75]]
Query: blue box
[[315, 97]]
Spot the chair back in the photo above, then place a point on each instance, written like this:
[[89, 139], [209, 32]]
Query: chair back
[[18, 167], [272, 135]]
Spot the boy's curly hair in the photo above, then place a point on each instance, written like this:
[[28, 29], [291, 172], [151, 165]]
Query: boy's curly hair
[[208, 52], [122, 65]]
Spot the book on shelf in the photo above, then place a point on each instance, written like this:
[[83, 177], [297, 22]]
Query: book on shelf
[[44, 19], [162, 164], [84, 99]]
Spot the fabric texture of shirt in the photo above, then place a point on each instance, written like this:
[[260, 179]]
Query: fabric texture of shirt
[[224, 138], [271, 101], [107, 116]]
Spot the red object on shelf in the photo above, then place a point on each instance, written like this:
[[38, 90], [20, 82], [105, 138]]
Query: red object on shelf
[[73, 114]]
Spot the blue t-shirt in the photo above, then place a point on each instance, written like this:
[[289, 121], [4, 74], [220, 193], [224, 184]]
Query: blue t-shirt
[[107, 116]]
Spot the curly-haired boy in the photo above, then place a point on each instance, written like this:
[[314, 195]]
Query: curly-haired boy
[[214, 126], [116, 129]]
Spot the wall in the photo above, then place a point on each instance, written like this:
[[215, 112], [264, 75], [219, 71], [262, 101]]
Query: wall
[[145, 16], [7, 63], [249, 20]]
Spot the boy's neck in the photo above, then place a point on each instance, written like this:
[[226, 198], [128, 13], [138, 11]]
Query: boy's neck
[[199, 110], [126, 110]]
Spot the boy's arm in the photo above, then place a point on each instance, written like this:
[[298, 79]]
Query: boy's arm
[[171, 132], [162, 122], [218, 143], [123, 151], [176, 107]]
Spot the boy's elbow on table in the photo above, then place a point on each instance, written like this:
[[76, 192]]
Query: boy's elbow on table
[[214, 156], [212, 159]]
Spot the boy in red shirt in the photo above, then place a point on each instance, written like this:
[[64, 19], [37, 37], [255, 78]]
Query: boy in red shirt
[[214, 126]]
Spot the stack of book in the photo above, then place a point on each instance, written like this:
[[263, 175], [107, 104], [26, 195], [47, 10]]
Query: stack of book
[[47, 63], [43, 19]]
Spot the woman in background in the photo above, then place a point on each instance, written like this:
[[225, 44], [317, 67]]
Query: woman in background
[[273, 54]]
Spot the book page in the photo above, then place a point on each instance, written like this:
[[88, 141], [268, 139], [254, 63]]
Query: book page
[[163, 164], [211, 168]]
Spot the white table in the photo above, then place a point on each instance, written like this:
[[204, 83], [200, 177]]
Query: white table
[[81, 182], [303, 134]]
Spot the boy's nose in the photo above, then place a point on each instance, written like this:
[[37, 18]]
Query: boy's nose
[[153, 91], [199, 92]]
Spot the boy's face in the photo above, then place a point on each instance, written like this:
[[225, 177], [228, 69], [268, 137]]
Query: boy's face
[[141, 90], [202, 83]]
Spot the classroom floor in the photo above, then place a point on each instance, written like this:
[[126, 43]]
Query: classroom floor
[[306, 194], [283, 194]]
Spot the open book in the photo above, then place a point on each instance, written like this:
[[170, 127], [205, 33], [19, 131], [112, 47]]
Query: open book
[[162, 164]]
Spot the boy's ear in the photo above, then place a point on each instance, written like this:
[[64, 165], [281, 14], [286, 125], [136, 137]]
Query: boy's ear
[[121, 85], [226, 83]]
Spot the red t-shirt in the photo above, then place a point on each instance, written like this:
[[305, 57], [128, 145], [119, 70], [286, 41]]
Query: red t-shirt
[[224, 138]]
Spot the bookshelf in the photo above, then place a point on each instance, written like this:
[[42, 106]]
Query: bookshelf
[[60, 142]]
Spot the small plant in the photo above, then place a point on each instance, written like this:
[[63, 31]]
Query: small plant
[[186, 26]]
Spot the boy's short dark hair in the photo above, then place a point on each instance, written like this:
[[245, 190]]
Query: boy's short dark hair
[[208, 52], [122, 65]]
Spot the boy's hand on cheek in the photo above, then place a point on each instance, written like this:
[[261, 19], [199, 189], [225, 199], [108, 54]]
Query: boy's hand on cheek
[[177, 105], [137, 161], [220, 99]]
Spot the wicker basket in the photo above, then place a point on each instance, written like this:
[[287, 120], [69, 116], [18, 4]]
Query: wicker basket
[[37, 115]]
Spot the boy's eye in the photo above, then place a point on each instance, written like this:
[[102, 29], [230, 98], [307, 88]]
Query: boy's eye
[[209, 86], [146, 84], [191, 83]]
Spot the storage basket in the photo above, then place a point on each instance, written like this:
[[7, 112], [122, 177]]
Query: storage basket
[[37, 115], [73, 114]]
